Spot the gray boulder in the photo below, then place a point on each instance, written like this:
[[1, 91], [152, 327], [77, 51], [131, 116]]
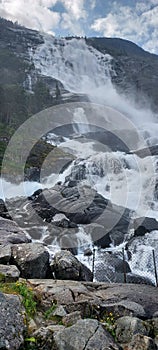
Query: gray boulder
[[123, 308], [9, 273], [111, 269], [143, 225], [12, 325], [5, 254], [66, 266], [84, 335], [141, 342], [71, 318], [32, 259], [10, 232], [127, 326]]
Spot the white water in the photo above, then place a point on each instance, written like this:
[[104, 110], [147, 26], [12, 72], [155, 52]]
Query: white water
[[76, 65], [84, 70]]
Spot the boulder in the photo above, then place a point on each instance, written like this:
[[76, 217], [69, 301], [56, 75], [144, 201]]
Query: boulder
[[137, 279], [71, 318], [123, 308], [59, 311], [81, 205], [66, 266], [9, 273], [12, 322], [141, 342], [154, 323], [127, 326], [5, 254], [10, 232], [84, 335], [44, 337], [88, 252], [32, 260], [3, 210], [111, 269], [143, 225]]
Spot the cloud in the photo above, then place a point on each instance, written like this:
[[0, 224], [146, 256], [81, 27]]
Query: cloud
[[138, 23], [36, 15], [71, 19], [39, 14]]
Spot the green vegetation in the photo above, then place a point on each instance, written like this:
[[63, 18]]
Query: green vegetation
[[108, 320], [21, 288], [49, 313]]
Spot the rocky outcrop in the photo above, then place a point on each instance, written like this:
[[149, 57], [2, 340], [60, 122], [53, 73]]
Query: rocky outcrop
[[10, 232], [141, 342], [32, 260], [9, 273], [66, 266], [81, 316], [143, 225], [12, 324], [84, 335], [5, 253], [81, 296], [127, 326], [111, 269]]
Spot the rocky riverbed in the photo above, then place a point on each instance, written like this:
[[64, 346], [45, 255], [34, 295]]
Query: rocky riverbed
[[51, 303]]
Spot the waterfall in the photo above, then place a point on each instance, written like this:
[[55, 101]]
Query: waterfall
[[84, 70]]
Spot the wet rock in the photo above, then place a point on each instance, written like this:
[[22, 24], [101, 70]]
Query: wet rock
[[85, 334], [10, 232], [143, 225], [88, 252], [116, 237], [10, 273], [32, 260], [137, 279], [69, 241], [111, 269], [3, 210], [127, 326], [11, 322], [66, 266]]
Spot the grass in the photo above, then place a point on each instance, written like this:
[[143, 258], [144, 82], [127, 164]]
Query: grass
[[21, 288]]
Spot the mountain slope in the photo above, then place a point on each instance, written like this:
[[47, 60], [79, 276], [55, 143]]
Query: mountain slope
[[25, 89]]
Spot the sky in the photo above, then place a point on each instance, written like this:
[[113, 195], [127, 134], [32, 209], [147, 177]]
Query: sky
[[128, 19]]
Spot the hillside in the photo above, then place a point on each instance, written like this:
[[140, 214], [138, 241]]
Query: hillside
[[24, 91]]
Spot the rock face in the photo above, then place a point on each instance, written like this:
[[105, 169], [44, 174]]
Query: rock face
[[111, 269], [5, 254], [32, 260], [65, 266], [143, 225], [9, 273], [126, 327], [10, 232], [11, 322], [74, 315], [84, 335], [141, 342]]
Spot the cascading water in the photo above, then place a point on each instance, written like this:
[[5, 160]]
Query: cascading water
[[84, 70], [80, 68]]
